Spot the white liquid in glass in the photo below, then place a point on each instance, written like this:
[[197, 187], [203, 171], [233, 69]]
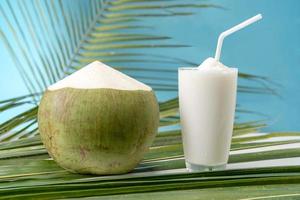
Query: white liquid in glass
[[207, 98]]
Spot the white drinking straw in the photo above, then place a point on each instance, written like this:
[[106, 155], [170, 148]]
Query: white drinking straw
[[232, 30]]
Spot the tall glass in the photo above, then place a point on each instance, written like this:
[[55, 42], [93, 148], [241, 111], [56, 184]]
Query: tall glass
[[207, 99]]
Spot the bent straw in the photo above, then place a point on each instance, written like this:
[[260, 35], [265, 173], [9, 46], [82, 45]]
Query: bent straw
[[232, 30]]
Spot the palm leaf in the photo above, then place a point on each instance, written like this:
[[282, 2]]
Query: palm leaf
[[96, 32], [161, 171]]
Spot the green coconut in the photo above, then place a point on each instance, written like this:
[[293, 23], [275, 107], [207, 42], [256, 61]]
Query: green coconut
[[98, 120]]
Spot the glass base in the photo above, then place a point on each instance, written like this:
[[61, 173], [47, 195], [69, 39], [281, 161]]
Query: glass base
[[203, 168]]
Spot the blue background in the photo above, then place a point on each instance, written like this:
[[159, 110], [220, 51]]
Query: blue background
[[268, 48]]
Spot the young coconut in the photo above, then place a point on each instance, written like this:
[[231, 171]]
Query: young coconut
[[98, 120]]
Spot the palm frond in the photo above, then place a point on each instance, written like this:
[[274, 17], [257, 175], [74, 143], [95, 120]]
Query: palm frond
[[161, 170], [77, 36]]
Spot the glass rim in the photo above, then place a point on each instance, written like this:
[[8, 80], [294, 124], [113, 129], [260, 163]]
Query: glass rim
[[196, 68]]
